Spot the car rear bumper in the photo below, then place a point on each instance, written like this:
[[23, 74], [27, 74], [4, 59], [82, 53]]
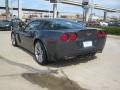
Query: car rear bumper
[[69, 51], [77, 53]]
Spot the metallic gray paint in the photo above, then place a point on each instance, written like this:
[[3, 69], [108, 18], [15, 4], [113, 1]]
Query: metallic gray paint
[[56, 49]]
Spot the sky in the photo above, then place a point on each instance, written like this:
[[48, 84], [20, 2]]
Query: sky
[[45, 5]]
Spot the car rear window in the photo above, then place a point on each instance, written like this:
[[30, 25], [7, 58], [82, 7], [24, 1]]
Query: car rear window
[[66, 24]]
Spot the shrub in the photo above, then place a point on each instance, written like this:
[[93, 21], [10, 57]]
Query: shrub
[[114, 30]]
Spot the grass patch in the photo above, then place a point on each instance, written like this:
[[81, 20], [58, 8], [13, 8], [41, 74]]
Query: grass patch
[[113, 30]]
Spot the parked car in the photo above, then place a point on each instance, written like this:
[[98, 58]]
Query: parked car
[[10, 24], [93, 23], [57, 39], [114, 23], [102, 23], [16, 20], [7, 25]]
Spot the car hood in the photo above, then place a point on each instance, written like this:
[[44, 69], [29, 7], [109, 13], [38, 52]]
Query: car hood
[[4, 24]]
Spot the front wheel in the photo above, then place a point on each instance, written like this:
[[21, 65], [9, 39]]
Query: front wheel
[[13, 39], [40, 53]]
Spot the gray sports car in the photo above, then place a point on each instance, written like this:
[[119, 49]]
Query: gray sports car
[[58, 39]]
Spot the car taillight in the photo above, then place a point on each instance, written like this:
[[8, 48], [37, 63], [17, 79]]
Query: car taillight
[[64, 37], [101, 34], [98, 34], [73, 36]]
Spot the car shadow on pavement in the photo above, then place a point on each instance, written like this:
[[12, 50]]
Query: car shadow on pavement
[[25, 50], [43, 78], [76, 61]]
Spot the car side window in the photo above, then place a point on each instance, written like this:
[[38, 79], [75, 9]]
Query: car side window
[[47, 25], [61, 25], [35, 25]]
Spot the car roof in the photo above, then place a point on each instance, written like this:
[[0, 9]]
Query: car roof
[[53, 19]]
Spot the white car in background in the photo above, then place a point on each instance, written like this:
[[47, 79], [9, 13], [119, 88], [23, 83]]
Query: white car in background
[[103, 24]]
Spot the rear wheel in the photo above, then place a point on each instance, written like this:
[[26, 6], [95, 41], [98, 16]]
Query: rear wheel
[[40, 53], [13, 39], [92, 54]]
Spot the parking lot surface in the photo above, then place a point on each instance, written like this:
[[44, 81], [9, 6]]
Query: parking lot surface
[[19, 70]]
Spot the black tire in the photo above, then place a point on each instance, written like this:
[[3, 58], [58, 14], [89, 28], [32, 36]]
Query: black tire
[[13, 39], [11, 28], [40, 53], [92, 54]]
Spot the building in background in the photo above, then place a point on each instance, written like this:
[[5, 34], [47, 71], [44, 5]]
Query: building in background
[[47, 14]]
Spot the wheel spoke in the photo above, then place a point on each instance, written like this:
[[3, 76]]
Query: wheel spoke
[[13, 39], [38, 52]]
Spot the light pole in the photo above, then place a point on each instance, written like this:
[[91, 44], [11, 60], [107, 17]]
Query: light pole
[[7, 8], [85, 4], [55, 7], [11, 8], [54, 10], [92, 7], [20, 9], [49, 8], [105, 15]]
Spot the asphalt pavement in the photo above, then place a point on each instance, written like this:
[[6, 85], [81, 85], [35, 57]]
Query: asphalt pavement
[[19, 70]]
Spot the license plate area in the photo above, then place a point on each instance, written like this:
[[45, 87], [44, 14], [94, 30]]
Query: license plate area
[[87, 44]]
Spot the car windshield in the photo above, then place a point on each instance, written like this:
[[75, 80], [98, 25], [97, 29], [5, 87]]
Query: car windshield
[[68, 24]]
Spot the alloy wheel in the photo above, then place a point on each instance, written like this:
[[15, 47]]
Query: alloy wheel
[[13, 39], [39, 53]]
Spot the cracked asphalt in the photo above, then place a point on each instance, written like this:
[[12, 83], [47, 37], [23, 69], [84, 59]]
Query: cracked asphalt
[[19, 70]]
